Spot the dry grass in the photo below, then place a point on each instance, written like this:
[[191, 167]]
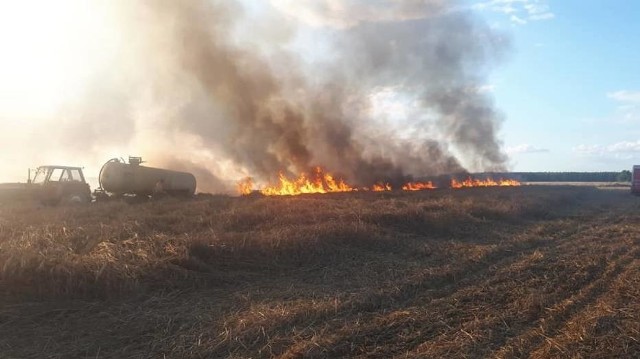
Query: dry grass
[[499, 272]]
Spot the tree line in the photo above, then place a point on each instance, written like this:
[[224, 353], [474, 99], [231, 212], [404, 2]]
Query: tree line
[[622, 176]]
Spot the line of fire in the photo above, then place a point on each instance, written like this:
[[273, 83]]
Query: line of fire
[[319, 181]]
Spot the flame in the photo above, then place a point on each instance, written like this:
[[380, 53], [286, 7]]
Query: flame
[[509, 183], [418, 186], [320, 181], [471, 182], [245, 186], [381, 187], [317, 182]]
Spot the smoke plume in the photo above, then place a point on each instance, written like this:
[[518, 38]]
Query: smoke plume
[[230, 89]]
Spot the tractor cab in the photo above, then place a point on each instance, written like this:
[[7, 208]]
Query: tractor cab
[[56, 184]]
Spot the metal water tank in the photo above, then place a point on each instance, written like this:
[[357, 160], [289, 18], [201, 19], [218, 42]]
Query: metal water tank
[[118, 177]]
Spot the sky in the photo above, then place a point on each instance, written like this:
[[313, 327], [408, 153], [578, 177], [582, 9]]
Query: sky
[[570, 88], [567, 87]]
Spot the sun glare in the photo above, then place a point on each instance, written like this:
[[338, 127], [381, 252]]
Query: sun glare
[[49, 49]]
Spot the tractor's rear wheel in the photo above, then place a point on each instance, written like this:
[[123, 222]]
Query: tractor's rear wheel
[[76, 198]]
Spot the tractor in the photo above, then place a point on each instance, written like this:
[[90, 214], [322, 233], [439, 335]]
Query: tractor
[[51, 185]]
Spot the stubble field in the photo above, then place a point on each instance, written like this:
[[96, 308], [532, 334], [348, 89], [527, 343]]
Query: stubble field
[[544, 272]]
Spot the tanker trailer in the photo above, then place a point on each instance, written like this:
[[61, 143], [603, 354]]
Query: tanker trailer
[[119, 178]]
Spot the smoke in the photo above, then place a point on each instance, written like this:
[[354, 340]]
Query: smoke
[[231, 89], [347, 13]]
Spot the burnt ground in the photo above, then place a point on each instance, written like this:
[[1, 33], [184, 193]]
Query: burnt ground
[[534, 271]]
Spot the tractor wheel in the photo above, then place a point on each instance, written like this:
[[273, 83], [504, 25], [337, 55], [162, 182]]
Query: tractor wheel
[[76, 198]]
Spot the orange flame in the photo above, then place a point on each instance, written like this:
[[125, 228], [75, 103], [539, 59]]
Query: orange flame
[[320, 181], [509, 183], [381, 187], [418, 186], [245, 186], [471, 182]]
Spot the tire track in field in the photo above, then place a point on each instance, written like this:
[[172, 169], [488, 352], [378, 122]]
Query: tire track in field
[[563, 343], [330, 329], [476, 271], [437, 286], [561, 312], [620, 299], [480, 334], [440, 287]]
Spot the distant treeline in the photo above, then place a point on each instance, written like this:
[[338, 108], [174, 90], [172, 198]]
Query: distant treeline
[[622, 176]]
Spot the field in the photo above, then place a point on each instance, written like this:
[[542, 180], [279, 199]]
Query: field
[[540, 271]]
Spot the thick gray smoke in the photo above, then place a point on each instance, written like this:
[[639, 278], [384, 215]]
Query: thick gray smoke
[[233, 94]]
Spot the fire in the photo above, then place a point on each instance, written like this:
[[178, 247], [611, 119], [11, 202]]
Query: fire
[[471, 182], [245, 186], [381, 187], [418, 186], [509, 183], [317, 182], [320, 181]]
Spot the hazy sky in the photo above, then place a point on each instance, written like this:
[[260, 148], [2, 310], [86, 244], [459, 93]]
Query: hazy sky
[[568, 87]]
